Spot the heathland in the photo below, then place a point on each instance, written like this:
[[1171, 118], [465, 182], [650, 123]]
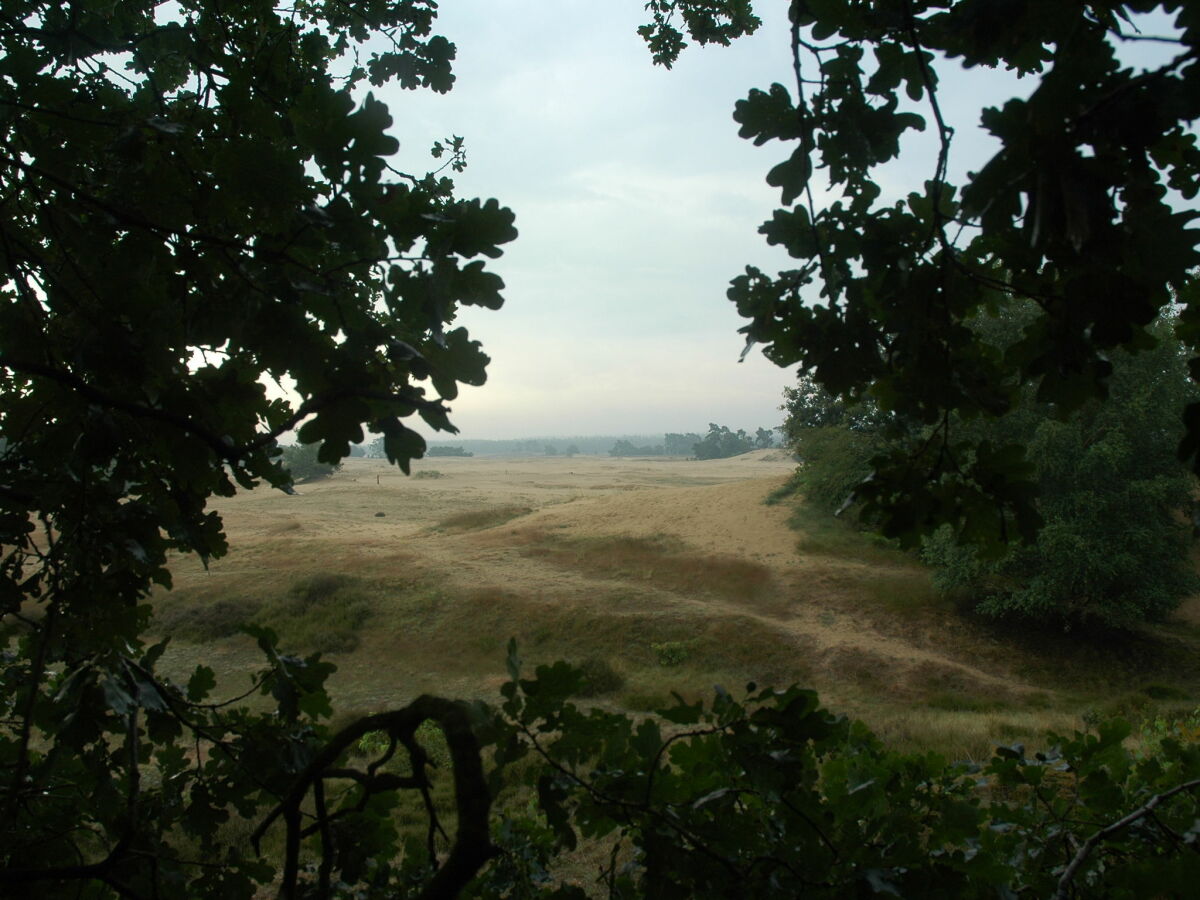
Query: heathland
[[657, 576]]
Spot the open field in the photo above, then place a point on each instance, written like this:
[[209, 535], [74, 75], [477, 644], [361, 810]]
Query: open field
[[659, 575]]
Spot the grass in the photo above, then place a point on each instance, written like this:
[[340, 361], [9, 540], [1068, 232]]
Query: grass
[[658, 562], [823, 534], [316, 613], [477, 519], [322, 613], [648, 616]]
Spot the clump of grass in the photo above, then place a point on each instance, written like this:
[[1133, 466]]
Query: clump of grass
[[903, 591], [1132, 706], [477, 519], [962, 734], [428, 473], [201, 622], [1157, 691], [643, 701], [321, 613]]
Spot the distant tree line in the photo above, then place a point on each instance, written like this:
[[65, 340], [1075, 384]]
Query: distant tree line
[[443, 450], [719, 443]]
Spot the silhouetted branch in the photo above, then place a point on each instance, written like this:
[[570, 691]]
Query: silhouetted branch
[[1064, 882], [472, 844]]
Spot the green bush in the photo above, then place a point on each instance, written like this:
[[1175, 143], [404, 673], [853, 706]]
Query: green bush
[[672, 653], [833, 461], [1115, 545]]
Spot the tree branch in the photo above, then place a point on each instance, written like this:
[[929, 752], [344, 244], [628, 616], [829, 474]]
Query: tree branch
[[1064, 882], [472, 844]]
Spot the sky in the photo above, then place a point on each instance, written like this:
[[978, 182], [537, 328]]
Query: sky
[[636, 203]]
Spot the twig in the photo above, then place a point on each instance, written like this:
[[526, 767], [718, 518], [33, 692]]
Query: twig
[[1064, 882]]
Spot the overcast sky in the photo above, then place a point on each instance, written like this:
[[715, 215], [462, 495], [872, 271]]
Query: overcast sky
[[636, 202]]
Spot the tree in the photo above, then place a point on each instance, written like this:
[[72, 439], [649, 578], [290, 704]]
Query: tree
[[197, 203], [1115, 548], [1077, 211], [679, 444], [1116, 545], [720, 443], [302, 463], [628, 448], [764, 438]]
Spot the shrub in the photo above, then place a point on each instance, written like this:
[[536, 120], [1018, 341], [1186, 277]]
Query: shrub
[[672, 653], [834, 459], [599, 677]]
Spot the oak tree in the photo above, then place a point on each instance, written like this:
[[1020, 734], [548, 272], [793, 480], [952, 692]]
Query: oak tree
[[1085, 210], [204, 246]]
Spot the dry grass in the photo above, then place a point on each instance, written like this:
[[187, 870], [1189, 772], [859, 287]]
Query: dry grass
[[476, 519], [426, 598], [659, 562], [968, 734]]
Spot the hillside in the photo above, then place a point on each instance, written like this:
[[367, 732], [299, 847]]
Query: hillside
[[672, 574]]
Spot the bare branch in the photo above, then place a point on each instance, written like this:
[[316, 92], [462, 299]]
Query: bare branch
[[1064, 882]]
